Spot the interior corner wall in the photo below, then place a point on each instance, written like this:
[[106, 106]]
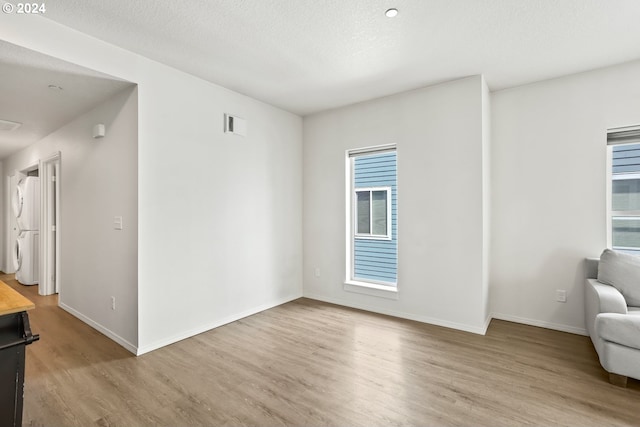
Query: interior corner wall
[[98, 181], [549, 189], [219, 215], [486, 201], [438, 131]]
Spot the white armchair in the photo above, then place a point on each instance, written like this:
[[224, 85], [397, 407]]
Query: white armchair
[[613, 324]]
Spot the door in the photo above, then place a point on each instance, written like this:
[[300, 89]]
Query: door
[[50, 226]]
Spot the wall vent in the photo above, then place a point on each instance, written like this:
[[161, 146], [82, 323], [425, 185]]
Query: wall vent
[[235, 125]]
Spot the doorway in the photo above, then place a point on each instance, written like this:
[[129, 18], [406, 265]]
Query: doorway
[[50, 225]]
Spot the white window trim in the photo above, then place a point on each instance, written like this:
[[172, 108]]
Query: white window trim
[[390, 290], [626, 248], [609, 196], [389, 234], [625, 215], [610, 177], [623, 176]]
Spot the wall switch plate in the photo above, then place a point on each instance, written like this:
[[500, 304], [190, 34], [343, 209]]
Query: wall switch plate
[[117, 223], [113, 303], [561, 295], [317, 271]]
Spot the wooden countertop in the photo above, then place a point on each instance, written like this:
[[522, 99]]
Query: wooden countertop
[[11, 301]]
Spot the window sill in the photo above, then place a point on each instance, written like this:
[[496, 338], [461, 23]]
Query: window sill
[[371, 289], [370, 237]]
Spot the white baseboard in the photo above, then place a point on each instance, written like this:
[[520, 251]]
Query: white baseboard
[[481, 330], [97, 326], [215, 324], [454, 325], [540, 323], [220, 322], [487, 322]]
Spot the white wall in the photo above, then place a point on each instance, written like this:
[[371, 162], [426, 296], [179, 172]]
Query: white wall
[[98, 181], [4, 220], [548, 189], [220, 216], [439, 135]]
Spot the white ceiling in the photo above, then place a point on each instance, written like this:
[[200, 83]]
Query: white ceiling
[[25, 96], [310, 55]]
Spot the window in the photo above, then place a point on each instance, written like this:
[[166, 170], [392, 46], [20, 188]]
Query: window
[[373, 213], [372, 239], [624, 190]]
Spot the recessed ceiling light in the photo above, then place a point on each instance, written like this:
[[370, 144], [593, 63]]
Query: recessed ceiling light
[[390, 13], [55, 87]]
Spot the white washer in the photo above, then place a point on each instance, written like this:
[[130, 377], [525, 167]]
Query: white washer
[[26, 257], [26, 203]]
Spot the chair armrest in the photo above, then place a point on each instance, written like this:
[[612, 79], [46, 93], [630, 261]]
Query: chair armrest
[[600, 298], [623, 329], [607, 298]]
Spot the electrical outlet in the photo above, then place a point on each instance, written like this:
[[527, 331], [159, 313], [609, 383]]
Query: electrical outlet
[[317, 271], [113, 303], [561, 295]]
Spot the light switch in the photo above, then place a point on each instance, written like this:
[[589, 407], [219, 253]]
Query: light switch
[[117, 223]]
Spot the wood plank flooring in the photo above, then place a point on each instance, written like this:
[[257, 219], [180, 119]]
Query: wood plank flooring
[[308, 363]]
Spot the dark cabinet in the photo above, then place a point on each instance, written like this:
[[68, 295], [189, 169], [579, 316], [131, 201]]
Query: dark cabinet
[[15, 334]]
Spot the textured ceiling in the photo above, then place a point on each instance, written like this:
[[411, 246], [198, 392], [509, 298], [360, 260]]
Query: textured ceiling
[[25, 96], [310, 55]]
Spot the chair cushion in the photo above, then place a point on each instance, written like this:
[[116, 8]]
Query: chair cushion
[[623, 329], [622, 271]]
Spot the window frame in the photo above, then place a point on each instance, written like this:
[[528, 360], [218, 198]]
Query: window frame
[[627, 135], [370, 236], [370, 287], [621, 215], [623, 177]]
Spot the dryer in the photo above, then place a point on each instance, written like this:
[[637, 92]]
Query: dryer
[[26, 257], [26, 203]]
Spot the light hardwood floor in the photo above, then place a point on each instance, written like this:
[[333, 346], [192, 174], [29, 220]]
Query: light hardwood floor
[[308, 363]]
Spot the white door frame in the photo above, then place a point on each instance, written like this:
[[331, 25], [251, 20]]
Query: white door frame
[[50, 225]]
